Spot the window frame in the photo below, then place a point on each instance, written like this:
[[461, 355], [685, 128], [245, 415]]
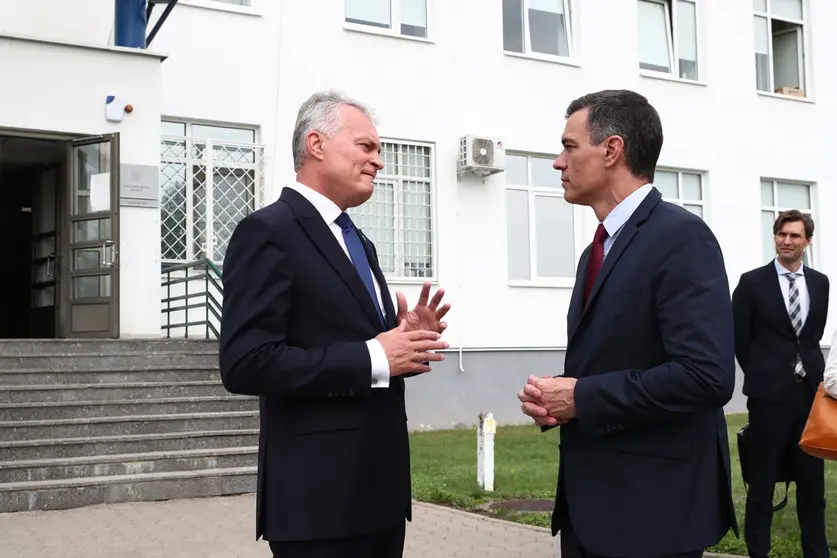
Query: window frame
[[395, 21], [190, 162], [532, 192], [527, 38], [680, 200], [221, 5], [398, 216], [810, 253], [802, 50], [673, 42]]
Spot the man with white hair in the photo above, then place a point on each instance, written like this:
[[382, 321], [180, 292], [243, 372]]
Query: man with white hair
[[309, 326]]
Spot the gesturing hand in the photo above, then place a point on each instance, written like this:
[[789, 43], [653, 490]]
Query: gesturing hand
[[424, 316], [407, 351]]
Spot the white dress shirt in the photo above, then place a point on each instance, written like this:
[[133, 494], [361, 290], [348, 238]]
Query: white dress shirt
[[329, 211], [620, 214], [829, 377], [801, 286]]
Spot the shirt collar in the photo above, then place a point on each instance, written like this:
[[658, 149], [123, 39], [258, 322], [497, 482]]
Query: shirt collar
[[324, 206], [620, 214], [781, 270]]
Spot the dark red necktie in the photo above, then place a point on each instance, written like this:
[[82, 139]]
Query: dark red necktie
[[594, 264]]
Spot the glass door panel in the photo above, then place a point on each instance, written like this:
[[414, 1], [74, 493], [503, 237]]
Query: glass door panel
[[91, 246]]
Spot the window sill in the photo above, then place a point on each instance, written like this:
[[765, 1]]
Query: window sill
[[542, 283], [410, 280], [544, 58], [768, 94], [220, 7], [370, 30], [669, 77]]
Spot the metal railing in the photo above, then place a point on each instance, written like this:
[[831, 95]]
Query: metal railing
[[193, 291]]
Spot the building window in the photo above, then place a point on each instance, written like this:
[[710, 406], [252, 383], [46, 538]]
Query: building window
[[780, 46], [681, 187], [668, 37], [406, 17], [537, 26], [211, 177], [777, 196], [398, 218], [540, 223]]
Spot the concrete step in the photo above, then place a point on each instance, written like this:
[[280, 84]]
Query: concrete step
[[118, 444], [127, 464], [14, 431], [123, 407], [42, 347], [105, 392], [116, 362], [106, 376], [72, 493]]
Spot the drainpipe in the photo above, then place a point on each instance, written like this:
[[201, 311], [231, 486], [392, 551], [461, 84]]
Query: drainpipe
[[129, 23]]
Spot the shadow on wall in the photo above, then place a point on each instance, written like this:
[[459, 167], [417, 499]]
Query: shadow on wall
[[448, 398]]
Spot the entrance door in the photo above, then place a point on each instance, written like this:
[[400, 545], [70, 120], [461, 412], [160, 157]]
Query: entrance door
[[89, 281]]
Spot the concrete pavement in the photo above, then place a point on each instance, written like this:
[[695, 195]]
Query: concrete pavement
[[224, 528]]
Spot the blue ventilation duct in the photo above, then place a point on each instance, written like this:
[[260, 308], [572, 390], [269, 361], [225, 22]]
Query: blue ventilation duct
[[129, 23]]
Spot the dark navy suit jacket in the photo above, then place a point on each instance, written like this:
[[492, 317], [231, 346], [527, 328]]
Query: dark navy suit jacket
[[334, 457], [645, 466], [766, 343]]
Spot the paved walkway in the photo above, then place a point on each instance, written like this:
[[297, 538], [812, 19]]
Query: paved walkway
[[224, 528]]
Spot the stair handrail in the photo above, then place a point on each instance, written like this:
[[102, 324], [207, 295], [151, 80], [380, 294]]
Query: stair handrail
[[211, 275]]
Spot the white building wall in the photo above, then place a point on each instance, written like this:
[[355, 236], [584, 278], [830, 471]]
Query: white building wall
[[79, 21], [223, 65], [460, 81], [55, 88], [234, 67]]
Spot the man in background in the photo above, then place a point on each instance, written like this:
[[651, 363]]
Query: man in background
[[644, 458], [780, 314], [309, 326]]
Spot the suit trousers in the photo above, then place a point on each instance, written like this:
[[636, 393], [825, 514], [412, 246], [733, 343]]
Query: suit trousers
[[775, 428], [383, 544]]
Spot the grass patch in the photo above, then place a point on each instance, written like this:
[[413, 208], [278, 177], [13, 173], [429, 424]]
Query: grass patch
[[444, 465]]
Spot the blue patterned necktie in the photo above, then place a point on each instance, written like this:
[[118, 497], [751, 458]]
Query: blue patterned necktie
[[358, 256]]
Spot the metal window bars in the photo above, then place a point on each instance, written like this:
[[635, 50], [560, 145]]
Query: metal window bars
[[206, 188]]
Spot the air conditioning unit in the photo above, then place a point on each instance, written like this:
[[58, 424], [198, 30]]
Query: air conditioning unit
[[481, 155]]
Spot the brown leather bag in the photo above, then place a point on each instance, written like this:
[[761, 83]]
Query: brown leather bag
[[820, 435]]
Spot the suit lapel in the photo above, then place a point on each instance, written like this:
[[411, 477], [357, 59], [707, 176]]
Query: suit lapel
[[577, 299], [813, 285], [322, 237], [777, 298], [372, 256], [629, 229]]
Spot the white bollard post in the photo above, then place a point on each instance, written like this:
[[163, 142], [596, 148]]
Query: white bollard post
[[485, 451]]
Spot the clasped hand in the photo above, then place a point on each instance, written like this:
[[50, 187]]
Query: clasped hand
[[549, 401]]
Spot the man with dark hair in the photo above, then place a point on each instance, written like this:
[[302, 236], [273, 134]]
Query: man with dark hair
[[644, 461], [780, 312]]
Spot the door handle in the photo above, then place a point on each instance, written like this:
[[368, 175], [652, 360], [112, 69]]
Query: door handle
[[112, 245], [49, 265]]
